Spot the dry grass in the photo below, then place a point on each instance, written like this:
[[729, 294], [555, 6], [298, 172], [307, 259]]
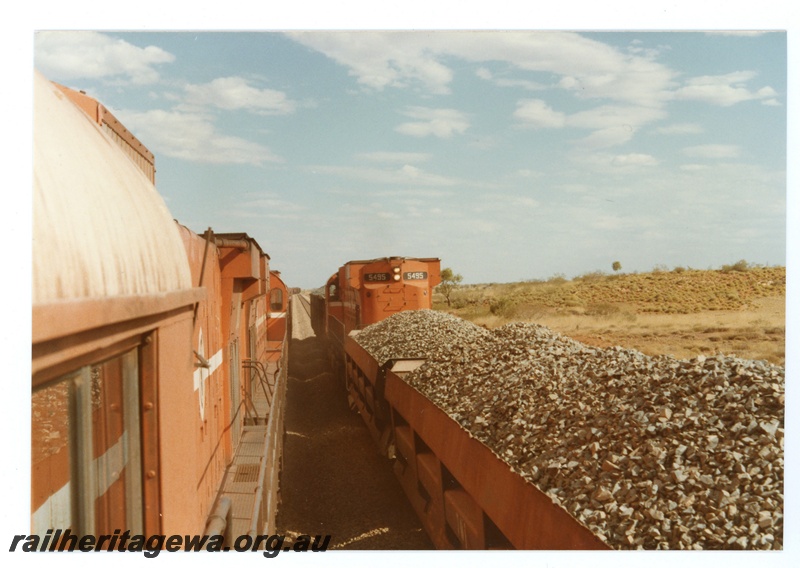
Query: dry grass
[[683, 314]]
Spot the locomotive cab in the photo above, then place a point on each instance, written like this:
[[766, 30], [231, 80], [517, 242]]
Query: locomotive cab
[[364, 292], [393, 285]]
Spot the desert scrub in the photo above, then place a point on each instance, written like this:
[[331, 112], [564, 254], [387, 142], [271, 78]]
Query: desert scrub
[[675, 291], [503, 307], [525, 311], [602, 309]]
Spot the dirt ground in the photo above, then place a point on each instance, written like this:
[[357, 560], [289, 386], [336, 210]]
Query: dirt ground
[[757, 332], [683, 313], [333, 479]]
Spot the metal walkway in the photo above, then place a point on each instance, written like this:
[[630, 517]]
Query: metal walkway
[[251, 485]]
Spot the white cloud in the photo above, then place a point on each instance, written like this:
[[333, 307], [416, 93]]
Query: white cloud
[[484, 73], [636, 48], [714, 151], [536, 113], [681, 128], [608, 137], [69, 55], [612, 116], [604, 162], [590, 68], [612, 124], [193, 137], [234, 93], [395, 157], [273, 202], [379, 60], [634, 160], [766, 93], [441, 122], [405, 175], [528, 85], [487, 75], [594, 69], [724, 90]]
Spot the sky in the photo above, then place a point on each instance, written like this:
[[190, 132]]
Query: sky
[[510, 155]]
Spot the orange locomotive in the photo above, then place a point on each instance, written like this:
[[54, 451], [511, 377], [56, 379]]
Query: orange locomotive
[[157, 353], [364, 292]]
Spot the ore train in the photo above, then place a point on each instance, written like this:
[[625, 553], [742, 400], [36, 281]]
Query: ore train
[[363, 292], [158, 354], [464, 495]]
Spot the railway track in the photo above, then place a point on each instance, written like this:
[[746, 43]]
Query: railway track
[[304, 301], [332, 477]]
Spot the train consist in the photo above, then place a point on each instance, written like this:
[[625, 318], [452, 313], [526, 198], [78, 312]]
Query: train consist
[[520, 438], [465, 497], [158, 354]]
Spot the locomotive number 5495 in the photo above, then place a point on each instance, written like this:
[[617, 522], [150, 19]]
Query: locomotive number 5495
[[415, 276]]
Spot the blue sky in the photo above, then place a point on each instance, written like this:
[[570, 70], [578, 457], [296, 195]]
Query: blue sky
[[509, 155]]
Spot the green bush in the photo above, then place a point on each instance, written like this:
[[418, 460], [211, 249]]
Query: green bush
[[502, 307], [741, 266]]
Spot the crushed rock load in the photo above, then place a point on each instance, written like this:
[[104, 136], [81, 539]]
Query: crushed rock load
[[648, 452], [419, 334]]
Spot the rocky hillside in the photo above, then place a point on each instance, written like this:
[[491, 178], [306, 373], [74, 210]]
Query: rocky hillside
[[671, 292]]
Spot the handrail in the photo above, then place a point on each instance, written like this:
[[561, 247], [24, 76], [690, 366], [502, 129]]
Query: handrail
[[247, 399], [261, 373], [219, 521]]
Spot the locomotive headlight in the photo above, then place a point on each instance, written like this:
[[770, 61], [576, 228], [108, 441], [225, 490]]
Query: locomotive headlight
[[396, 277], [396, 270]]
